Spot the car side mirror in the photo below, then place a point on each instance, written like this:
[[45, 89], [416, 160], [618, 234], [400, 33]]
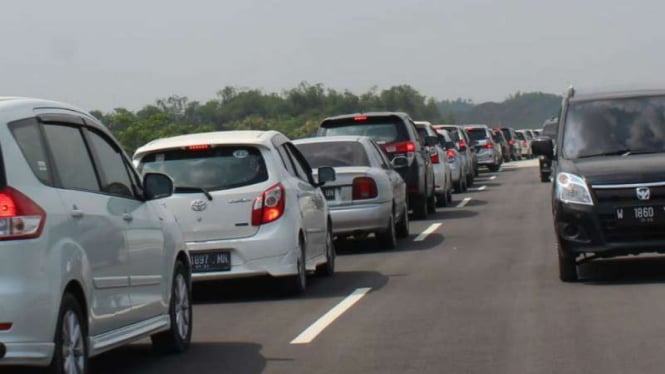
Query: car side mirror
[[543, 146], [431, 141], [400, 162], [326, 174], [157, 186]]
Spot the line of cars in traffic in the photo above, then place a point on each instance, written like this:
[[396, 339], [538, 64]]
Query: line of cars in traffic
[[99, 250]]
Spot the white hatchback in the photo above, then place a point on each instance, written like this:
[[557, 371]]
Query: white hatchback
[[247, 204], [89, 260]]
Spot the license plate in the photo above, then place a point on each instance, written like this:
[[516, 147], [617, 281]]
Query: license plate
[[329, 193], [211, 261], [638, 215]]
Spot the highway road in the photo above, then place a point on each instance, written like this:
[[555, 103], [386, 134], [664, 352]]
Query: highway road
[[477, 293]]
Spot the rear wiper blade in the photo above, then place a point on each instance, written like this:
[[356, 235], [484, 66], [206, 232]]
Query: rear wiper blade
[[194, 189]]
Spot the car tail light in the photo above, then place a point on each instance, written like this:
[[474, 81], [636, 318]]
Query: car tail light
[[364, 188], [408, 149], [20, 217], [198, 147], [269, 206], [5, 326], [435, 158], [360, 118], [511, 141], [489, 145], [461, 144], [451, 153], [405, 147]]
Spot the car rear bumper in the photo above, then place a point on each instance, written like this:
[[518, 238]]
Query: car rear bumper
[[272, 251], [362, 217], [28, 354]]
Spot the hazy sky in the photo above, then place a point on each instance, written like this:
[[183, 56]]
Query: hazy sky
[[120, 53]]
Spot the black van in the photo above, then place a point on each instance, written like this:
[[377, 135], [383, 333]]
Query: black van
[[608, 193]]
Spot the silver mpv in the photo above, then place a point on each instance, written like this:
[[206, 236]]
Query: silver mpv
[[89, 260]]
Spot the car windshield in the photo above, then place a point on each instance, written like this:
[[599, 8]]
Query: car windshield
[[382, 130], [615, 127], [477, 134], [211, 168], [334, 154]]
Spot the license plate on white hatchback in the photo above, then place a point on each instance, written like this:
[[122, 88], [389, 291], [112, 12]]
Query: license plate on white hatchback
[[211, 261]]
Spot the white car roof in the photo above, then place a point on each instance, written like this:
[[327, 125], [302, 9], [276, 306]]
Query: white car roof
[[9, 103], [324, 139], [214, 137]]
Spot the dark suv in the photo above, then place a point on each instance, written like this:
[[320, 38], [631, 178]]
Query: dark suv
[[608, 195], [397, 135]]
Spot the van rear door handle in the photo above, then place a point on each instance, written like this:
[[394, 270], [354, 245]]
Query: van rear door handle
[[76, 213], [127, 217]]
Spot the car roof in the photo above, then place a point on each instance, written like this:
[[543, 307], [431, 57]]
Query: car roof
[[214, 137], [368, 114], [23, 107], [592, 96], [423, 123], [329, 139]]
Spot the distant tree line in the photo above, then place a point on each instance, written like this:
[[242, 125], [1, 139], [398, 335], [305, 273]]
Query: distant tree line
[[297, 112]]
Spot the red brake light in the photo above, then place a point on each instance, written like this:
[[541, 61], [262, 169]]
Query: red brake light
[[435, 158], [198, 147], [405, 147], [489, 145], [360, 118], [5, 326], [20, 217], [451, 153], [461, 143], [269, 206], [511, 142], [364, 188]]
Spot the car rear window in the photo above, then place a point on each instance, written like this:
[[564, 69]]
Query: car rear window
[[452, 131], [334, 154], [382, 129], [477, 134], [507, 134], [213, 168], [520, 136]]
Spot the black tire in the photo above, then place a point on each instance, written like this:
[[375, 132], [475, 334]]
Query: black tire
[[464, 185], [328, 269], [402, 229], [469, 180], [493, 167], [293, 285], [431, 203], [387, 238], [420, 207], [70, 313], [442, 200], [545, 178], [449, 196], [179, 335], [567, 267], [459, 186]]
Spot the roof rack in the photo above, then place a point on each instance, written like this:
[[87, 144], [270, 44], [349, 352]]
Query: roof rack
[[570, 92]]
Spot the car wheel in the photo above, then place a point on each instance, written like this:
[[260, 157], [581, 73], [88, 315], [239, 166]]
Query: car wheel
[[420, 207], [469, 179], [296, 284], [449, 196], [402, 229], [387, 238], [567, 266], [464, 185], [458, 186], [431, 203], [328, 269], [442, 200], [177, 338], [545, 178], [71, 339]]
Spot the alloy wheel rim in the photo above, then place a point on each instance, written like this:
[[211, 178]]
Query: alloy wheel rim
[[73, 348], [182, 306]]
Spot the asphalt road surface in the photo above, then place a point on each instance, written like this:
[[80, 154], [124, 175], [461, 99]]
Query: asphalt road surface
[[479, 294]]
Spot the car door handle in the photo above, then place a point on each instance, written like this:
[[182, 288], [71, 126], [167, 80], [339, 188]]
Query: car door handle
[[127, 217], [76, 213]]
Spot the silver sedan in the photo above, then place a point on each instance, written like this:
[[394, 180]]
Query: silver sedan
[[369, 196]]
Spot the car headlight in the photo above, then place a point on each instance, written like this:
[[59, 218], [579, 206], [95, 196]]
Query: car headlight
[[572, 189]]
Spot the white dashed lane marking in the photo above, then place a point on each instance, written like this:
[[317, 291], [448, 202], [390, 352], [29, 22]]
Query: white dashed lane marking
[[327, 319], [423, 235], [463, 203]]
